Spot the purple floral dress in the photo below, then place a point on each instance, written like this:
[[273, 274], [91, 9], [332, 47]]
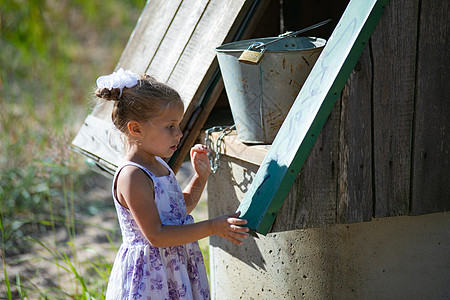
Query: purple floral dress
[[141, 271]]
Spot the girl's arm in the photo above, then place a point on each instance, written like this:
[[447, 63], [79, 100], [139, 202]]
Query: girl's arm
[[135, 191], [202, 168]]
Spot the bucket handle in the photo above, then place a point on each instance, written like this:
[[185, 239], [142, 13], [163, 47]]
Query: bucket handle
[[253, 55], [256, 46], [263, 45]]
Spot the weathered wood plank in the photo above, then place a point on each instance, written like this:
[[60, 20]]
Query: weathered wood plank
[[233, 147], [355, 199], [150, 31], [431, 160], [97, 136], [254, 154], [311, 201], [394, 53], [211, 31], [308, 114], [171, 47]]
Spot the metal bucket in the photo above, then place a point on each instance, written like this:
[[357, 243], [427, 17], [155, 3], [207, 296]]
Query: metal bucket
[[261, 95]]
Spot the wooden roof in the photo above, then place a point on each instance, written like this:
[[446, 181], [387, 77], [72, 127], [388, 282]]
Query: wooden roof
[[174, 41]]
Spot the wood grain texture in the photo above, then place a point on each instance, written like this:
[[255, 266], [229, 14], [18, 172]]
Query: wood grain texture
[[394, 54], [192, 71], [149, 33], [311, 201], [172, 46], [355, 199], [308, 114], [233, 147], [97, 137], [431, 160]]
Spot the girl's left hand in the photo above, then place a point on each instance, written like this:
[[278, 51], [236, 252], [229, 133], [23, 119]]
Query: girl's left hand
[[200, 160]]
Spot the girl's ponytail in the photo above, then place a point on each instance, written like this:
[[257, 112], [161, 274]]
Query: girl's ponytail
[[108, 94]]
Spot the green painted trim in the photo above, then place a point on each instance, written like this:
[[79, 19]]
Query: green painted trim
[[309, 113]]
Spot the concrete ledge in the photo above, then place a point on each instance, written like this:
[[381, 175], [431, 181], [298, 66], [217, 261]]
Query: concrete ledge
[[390, 258]]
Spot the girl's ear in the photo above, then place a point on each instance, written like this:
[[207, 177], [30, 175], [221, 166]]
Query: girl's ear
[[134, 128]]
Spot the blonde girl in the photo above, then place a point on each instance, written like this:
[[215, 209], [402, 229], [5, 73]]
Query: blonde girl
[[159, 257]]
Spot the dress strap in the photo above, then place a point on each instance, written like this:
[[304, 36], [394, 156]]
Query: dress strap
[[163, 162], [131, 163], [119, 169]]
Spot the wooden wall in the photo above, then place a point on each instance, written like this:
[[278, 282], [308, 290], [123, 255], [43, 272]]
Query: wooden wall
[[385, 149]]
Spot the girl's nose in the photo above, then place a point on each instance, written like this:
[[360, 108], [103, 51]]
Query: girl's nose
[[179, 134]]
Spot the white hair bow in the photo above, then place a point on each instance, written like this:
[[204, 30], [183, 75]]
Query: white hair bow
[[118, 79]]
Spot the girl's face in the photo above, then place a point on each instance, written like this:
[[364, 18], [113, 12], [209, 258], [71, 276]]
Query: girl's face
[[162, 134]]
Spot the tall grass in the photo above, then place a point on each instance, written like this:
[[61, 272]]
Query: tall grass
[[51, 53]]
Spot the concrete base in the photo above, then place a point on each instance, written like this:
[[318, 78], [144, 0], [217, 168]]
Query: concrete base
[[390, 258]]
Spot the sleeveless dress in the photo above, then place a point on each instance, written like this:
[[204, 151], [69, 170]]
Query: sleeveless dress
[[141, 271]]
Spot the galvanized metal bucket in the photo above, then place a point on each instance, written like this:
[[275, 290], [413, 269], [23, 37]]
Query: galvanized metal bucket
[[261, 95]]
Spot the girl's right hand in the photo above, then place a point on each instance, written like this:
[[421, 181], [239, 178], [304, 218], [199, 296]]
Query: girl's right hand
[[230, 227]]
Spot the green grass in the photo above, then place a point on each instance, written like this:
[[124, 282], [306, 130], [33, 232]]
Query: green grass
[[51, 54]]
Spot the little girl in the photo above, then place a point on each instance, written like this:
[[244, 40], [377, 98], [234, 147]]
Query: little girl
[[159, 257]]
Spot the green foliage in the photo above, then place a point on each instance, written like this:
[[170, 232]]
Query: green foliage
[[29, 195], [51, 53]]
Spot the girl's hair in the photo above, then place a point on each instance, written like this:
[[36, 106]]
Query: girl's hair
[[144, 101]]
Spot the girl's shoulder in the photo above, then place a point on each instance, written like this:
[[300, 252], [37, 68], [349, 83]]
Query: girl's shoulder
[[159, 169], [137, 166], [133, 174], [130, 169], [131, 182]]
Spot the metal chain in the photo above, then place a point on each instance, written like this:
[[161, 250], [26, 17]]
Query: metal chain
[[215, 149]]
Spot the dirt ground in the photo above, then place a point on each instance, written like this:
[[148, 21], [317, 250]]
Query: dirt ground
[[96, 239]]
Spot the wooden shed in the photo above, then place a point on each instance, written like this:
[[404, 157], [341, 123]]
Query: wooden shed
[[383, 150]]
